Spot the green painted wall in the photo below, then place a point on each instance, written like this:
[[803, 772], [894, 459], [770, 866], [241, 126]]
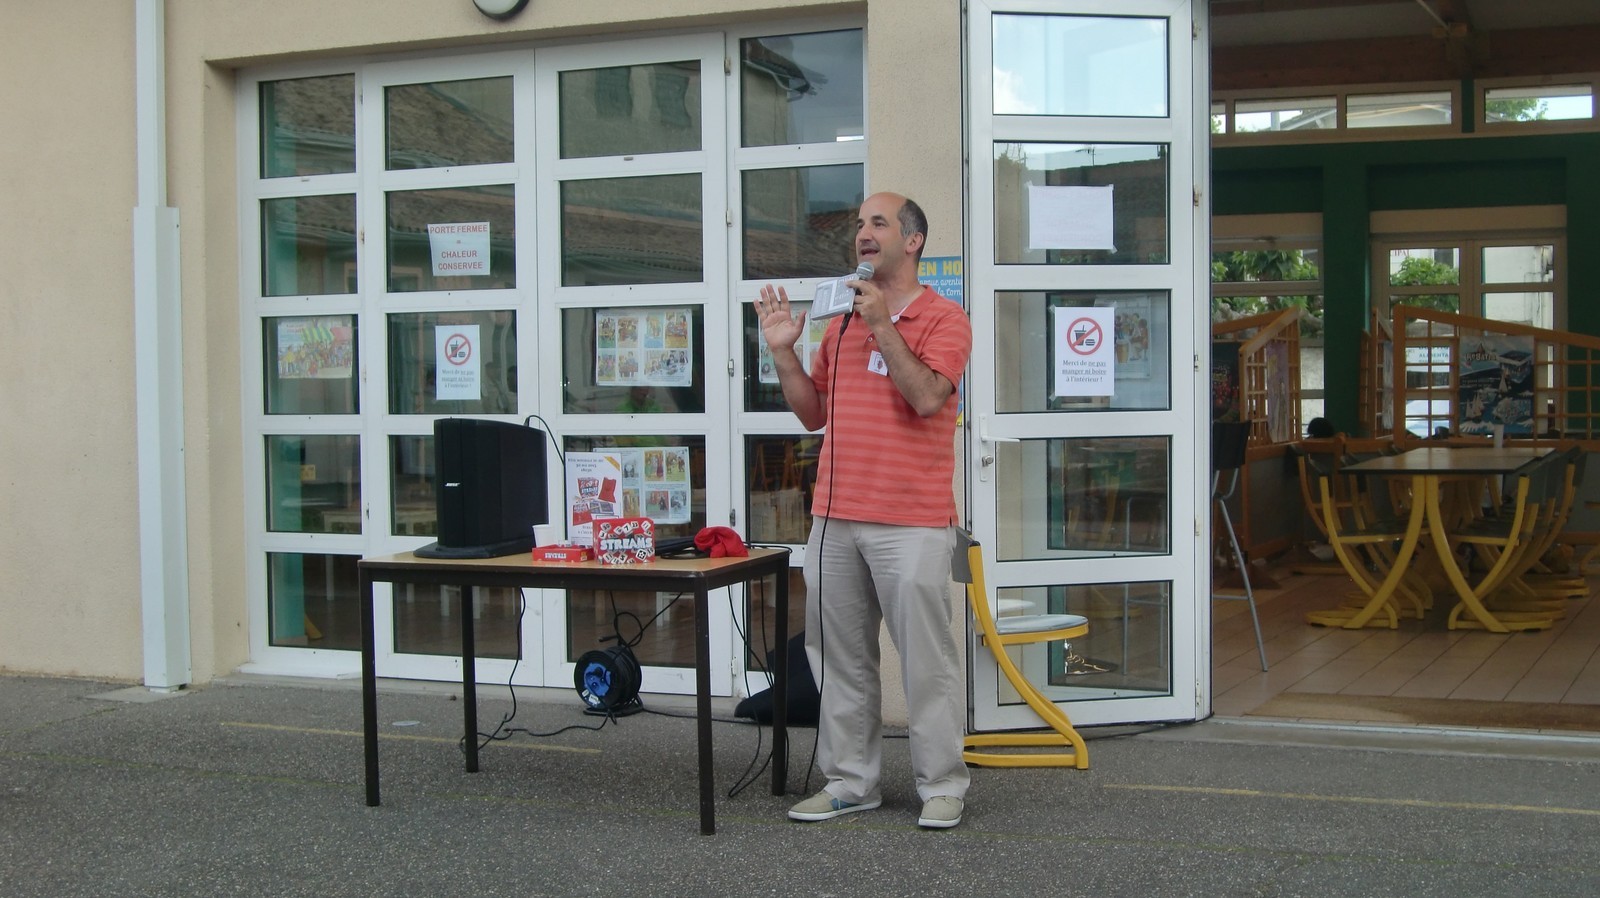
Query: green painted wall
[[1346, 182]]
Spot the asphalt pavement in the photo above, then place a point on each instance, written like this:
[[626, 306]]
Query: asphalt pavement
[[254, 786]]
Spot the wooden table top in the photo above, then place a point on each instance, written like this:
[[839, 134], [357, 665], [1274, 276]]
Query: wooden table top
[[1451, 460]]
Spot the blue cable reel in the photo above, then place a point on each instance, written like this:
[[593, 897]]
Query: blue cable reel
[[608, 680]]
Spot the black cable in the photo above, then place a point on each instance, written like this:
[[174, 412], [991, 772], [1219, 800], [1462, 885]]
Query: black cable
[[822, 540], [501, 731], [751, 771], [549, 433]]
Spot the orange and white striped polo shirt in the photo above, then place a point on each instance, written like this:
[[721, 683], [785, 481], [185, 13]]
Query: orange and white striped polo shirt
[[881, 461]]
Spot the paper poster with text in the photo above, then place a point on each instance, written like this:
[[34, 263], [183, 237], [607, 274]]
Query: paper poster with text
[[1070, 217], [945, 275], [1083, 347], [459, 248], [594, 492], [458, 363], [643, 348]]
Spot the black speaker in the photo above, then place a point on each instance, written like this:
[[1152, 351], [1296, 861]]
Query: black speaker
[[491, 488]]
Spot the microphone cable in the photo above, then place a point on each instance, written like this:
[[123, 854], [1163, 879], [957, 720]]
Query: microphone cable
[[822, 538]]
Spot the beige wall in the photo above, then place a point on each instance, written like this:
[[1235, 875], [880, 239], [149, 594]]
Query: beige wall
[[69, 571], [69, 559]]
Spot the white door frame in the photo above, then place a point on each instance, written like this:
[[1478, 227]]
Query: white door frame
[[1185, 131]]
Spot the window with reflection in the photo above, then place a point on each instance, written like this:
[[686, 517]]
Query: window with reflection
[[782, 478], [413, 483], [1285, 114], [312, 601], [1081, 203], [801, 88], [313, 483], [1416, 109], [448, 123], [1538, 103], [664, 477], [439, 239], [630, 110], [633, 360], [308, 126], [1080, 65], [1127, 653], [762, 392], [309, 365], [660, 626], [453, 363], [1084, 497], [663, 623], [1026, 350], [761, 618], [427, 620], [308, 245], [647, 230], [800, 222]]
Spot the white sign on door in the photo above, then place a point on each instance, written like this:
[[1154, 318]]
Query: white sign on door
[[459, 248], [457, 367], [1085, 340]]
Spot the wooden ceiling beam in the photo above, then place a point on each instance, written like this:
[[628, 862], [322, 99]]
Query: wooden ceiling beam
[[1385, 60]]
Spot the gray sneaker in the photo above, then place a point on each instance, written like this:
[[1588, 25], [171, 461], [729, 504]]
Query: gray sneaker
[[823, 806], [941, 812]]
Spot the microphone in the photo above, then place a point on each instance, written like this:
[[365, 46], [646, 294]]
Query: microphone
[[834, 298], [863, 273]]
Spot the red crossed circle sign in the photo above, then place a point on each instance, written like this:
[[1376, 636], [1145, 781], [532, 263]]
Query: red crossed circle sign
[[1084, 336], [457, 349]]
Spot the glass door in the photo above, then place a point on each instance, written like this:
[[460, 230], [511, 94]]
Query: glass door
[[1087, 272], [632, 288], [589, 222]]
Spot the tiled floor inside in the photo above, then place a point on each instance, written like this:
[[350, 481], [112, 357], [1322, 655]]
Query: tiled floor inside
[[1421, 672]]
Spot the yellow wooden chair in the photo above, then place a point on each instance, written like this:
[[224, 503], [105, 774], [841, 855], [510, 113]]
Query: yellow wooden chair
[[998, 634]]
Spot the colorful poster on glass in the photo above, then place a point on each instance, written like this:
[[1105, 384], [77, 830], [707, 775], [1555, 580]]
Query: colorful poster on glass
[[643, 347], [1496, 384], [315, 348]]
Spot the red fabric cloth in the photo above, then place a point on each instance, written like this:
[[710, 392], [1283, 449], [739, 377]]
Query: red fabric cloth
[[720, 542]]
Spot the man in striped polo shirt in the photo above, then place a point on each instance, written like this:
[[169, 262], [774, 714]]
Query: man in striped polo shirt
[[883, 383]]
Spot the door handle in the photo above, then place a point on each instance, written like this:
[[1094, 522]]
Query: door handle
[[986, 457]]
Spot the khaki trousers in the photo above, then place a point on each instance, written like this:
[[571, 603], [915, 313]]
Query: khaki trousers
[[859, 575]]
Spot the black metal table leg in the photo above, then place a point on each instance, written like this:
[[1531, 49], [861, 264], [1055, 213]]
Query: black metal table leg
[[469, 679]]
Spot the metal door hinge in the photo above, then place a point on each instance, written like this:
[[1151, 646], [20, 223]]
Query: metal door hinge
[[733, 518], [730, 367]]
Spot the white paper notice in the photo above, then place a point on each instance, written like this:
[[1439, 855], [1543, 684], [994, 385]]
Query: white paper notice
[[459, 248], [594, 491], [1084, 347], [457, 366], [1069, 217]]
